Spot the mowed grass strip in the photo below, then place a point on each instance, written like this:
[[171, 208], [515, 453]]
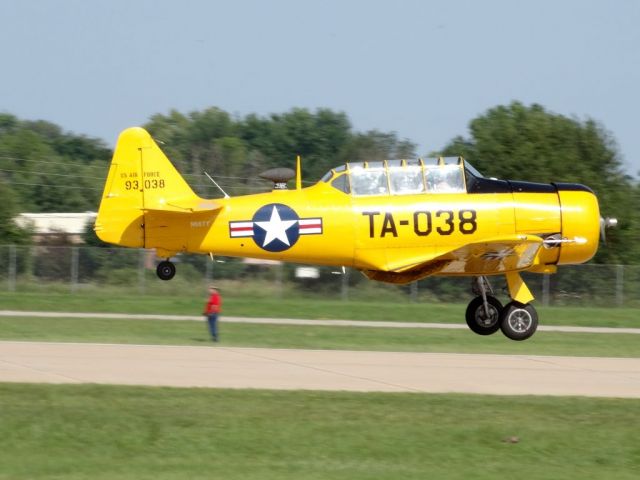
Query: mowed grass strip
[[234, 304], [166, 332], [105, 432]]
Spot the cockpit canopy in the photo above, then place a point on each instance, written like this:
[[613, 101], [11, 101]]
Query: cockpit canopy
[[401, 177]]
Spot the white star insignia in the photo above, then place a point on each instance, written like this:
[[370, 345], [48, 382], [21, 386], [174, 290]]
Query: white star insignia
[[276, 228]]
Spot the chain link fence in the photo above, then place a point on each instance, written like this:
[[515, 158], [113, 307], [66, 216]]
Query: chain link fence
[[78, 269]]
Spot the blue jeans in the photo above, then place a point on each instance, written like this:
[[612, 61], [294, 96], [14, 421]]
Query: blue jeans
[[212, 320]]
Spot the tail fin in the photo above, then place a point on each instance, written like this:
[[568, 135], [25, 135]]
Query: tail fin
[[141, 179]]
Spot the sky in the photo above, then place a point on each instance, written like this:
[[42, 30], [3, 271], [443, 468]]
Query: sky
[[423, 69]]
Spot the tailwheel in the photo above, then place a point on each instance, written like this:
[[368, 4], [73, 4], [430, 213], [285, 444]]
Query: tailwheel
[[518, 321], [484, 319], [166, 270]]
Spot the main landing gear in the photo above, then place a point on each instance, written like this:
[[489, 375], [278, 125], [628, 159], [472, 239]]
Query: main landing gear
[[485, 315], [166, 270]]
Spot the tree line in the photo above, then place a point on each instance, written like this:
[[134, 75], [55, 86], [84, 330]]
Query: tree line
[[44, 169]]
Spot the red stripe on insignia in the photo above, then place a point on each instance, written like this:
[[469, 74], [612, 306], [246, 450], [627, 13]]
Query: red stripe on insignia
[[310, 225], [241, 229]]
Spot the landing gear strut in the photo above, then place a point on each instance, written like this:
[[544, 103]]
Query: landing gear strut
[[485, 314], [166, 270]]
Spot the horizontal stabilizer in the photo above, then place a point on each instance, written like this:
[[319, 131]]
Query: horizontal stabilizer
[[195, 206]]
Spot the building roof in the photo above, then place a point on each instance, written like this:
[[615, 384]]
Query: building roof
[[47, 223]]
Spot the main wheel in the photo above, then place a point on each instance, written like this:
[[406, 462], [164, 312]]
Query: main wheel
[[166, 270], [518, 321], [484, 321]]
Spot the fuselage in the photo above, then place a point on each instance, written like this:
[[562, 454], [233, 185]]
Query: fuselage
[[320, 225], [411, 218]]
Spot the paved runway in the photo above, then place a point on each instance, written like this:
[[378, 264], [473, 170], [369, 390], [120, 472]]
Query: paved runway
[[225, 367]]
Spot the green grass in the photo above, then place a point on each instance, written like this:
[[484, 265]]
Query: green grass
[[299, 307], [104, 432], [162, 332]]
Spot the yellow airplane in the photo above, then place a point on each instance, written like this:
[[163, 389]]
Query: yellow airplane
[[396, 221]]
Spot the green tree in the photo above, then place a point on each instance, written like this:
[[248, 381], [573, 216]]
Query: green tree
[[318, 137], [235, 151], [375, 145], [171, 132], [50, 170], [10, 232]]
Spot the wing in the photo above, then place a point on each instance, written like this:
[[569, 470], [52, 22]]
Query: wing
[[491, 256]]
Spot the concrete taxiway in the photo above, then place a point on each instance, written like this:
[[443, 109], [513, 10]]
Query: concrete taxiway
[[217, 366]]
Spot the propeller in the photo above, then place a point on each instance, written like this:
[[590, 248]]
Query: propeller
[[606, 223]]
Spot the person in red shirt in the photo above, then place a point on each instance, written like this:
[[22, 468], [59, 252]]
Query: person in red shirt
[[212, 310]]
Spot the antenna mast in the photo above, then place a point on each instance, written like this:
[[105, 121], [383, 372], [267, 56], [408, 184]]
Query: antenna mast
[[219, 188]]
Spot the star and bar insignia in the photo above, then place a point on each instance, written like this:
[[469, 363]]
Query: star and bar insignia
[[275, 227]]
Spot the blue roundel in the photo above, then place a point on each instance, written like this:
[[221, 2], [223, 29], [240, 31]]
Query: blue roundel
[[275, 227]]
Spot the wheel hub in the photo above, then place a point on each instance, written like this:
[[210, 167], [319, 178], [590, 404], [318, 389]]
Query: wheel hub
[[520, 320], [487, 320]]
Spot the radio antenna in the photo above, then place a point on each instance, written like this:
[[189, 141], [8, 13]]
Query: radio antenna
[[219, 187]]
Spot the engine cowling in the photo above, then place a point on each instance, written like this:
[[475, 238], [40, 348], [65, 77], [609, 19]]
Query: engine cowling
[[580, 218]]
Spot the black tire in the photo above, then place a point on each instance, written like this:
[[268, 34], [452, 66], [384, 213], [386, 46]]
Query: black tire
[[166, 270], [477, 318], [518, 321]]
